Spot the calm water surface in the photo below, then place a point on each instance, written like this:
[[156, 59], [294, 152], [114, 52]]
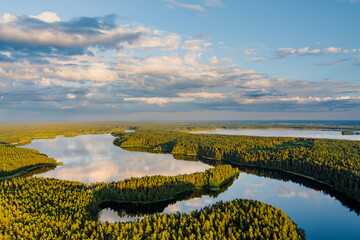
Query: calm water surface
[[93, 158], [284, 133]]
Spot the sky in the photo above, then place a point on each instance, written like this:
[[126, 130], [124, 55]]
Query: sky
[[116, 60]]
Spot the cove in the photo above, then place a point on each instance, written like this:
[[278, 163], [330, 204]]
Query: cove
[[93, 158]]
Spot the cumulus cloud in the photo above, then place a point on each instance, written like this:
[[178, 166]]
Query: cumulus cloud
[[102, 67], [48, 17], [95, 72], [158, 40], [46, 34], [195, 45], [306, 51]]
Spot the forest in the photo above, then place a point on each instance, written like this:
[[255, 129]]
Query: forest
[[13, 160], [160, 188], [334, 162], [41, 208]]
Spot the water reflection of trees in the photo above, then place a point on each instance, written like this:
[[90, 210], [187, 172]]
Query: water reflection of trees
[[141, 210], [347, 202], [38, 171]]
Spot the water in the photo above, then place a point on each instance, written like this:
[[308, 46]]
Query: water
[[284, 133], [93, 158], [322, 216]]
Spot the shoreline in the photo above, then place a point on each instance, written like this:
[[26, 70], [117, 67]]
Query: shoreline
[[24, 170]]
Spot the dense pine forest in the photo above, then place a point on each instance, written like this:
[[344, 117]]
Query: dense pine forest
[[14, 160], [40, 208], [160, 188], [37, 208], [335, 162]]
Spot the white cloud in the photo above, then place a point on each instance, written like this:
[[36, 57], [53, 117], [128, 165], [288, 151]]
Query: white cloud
[[6, 53], [71, 96], [205, 95], [191, 58], [303, 194], [146, 68], [48, 17], [286, 52], [238, 72], [214, 3], [350, 51], [157, 100], [97, 72], [330, 50], [68, 107], [14, 31], [215, 60], [19, 71], [48, 82], [169, 41], [7, 17], [285, 192], [256, 59], [187, 6], [196, 45], [257, 184], [250, 192], [171, 69], [297, 99]]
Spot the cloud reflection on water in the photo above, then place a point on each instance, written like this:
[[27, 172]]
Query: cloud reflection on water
[[93, 158]]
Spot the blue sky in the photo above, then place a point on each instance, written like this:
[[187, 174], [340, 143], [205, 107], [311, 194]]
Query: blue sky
[[179, 60]]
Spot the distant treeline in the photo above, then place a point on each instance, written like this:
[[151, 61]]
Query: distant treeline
[[335, 162], [41, 208], [13, 133]]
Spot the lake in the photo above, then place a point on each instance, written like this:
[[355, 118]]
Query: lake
[[93, 158], [284, 133]]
